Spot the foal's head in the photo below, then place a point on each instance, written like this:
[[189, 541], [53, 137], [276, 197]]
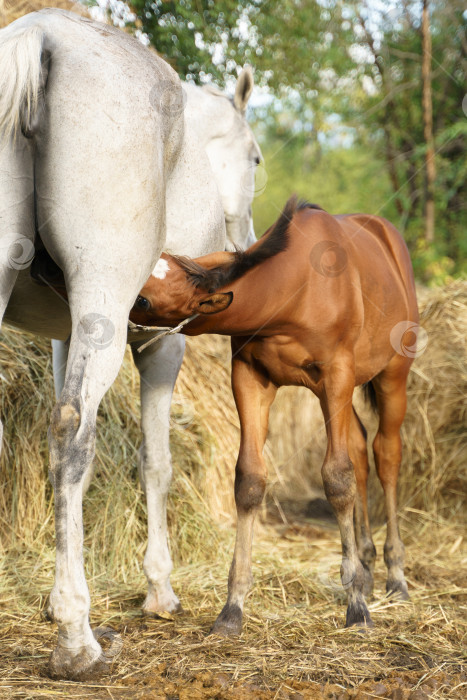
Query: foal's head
[[180, 287], [171, 294]]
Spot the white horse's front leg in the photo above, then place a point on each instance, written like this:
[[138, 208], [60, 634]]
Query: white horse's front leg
[[158, 366], [96, 352]]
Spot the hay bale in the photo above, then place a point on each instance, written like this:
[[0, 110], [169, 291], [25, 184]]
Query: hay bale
[[204, 441], [12, 9], [434, 432]]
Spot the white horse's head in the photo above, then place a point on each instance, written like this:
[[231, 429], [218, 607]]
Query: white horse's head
[[232, 150]]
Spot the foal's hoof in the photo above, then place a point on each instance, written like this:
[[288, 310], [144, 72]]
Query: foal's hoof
[[397, 589], [229, 622], [89, 662], [358, 615]]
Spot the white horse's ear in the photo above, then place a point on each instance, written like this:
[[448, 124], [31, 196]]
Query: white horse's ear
[[244, 88]]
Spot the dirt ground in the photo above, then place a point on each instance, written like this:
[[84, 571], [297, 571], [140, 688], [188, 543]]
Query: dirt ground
[[293, 645]]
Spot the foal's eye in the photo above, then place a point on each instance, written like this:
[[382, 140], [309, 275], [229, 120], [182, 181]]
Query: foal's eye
[[142, 303], [257, 160]]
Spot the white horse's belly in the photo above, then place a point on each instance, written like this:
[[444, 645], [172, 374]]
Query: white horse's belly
[[38, 309], [41, 311]]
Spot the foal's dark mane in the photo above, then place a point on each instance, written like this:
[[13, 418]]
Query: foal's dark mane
[[274, 241]]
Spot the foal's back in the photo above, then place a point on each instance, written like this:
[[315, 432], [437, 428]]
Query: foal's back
[[343, 280], [380, 246]]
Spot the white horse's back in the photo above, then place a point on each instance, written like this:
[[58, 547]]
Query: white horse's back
[[98, 168]]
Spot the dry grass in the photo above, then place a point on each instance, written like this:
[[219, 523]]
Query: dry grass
[[293, 644], [435, 433]]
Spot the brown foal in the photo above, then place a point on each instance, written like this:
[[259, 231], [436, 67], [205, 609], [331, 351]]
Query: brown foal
[[319, 301]]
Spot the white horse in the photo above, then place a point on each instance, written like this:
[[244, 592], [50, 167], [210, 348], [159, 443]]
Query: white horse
[[98, 155]]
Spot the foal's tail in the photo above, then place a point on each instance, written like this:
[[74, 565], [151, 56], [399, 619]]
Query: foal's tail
[[370, 395], [22, 78]]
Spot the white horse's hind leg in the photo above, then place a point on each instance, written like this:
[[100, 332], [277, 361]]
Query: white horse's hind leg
[[158, 366], [96, 353], [59, 360]]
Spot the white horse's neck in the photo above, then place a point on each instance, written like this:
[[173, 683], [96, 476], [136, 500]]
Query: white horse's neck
[[221, 129], [210, 113]]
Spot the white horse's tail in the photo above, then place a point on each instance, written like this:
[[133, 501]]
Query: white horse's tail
[[21, 77]]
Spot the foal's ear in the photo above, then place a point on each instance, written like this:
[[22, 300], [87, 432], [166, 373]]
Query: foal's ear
[[243, 88], [215, 303]]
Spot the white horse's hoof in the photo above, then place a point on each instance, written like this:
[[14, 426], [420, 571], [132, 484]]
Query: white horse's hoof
[[86, 664], [397, 589], [158, 604], [89, 662]]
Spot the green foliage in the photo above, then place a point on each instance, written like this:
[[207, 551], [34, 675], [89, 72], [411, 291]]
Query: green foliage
[[300, 44], [281, 40], [347, 73], [185, 33], [393, 121], [341, 180]]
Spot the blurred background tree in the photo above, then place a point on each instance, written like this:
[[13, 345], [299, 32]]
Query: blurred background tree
[[346, 88], [190, 33]]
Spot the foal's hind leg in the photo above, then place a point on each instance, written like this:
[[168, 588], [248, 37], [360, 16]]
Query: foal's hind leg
[[359, 456], [390, 386], [339, 479]]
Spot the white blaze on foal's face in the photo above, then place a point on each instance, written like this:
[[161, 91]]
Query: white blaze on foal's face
[[161, 269]]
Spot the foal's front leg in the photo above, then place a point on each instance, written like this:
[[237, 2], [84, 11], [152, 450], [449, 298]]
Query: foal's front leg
[[254, 394], [339, 480]]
